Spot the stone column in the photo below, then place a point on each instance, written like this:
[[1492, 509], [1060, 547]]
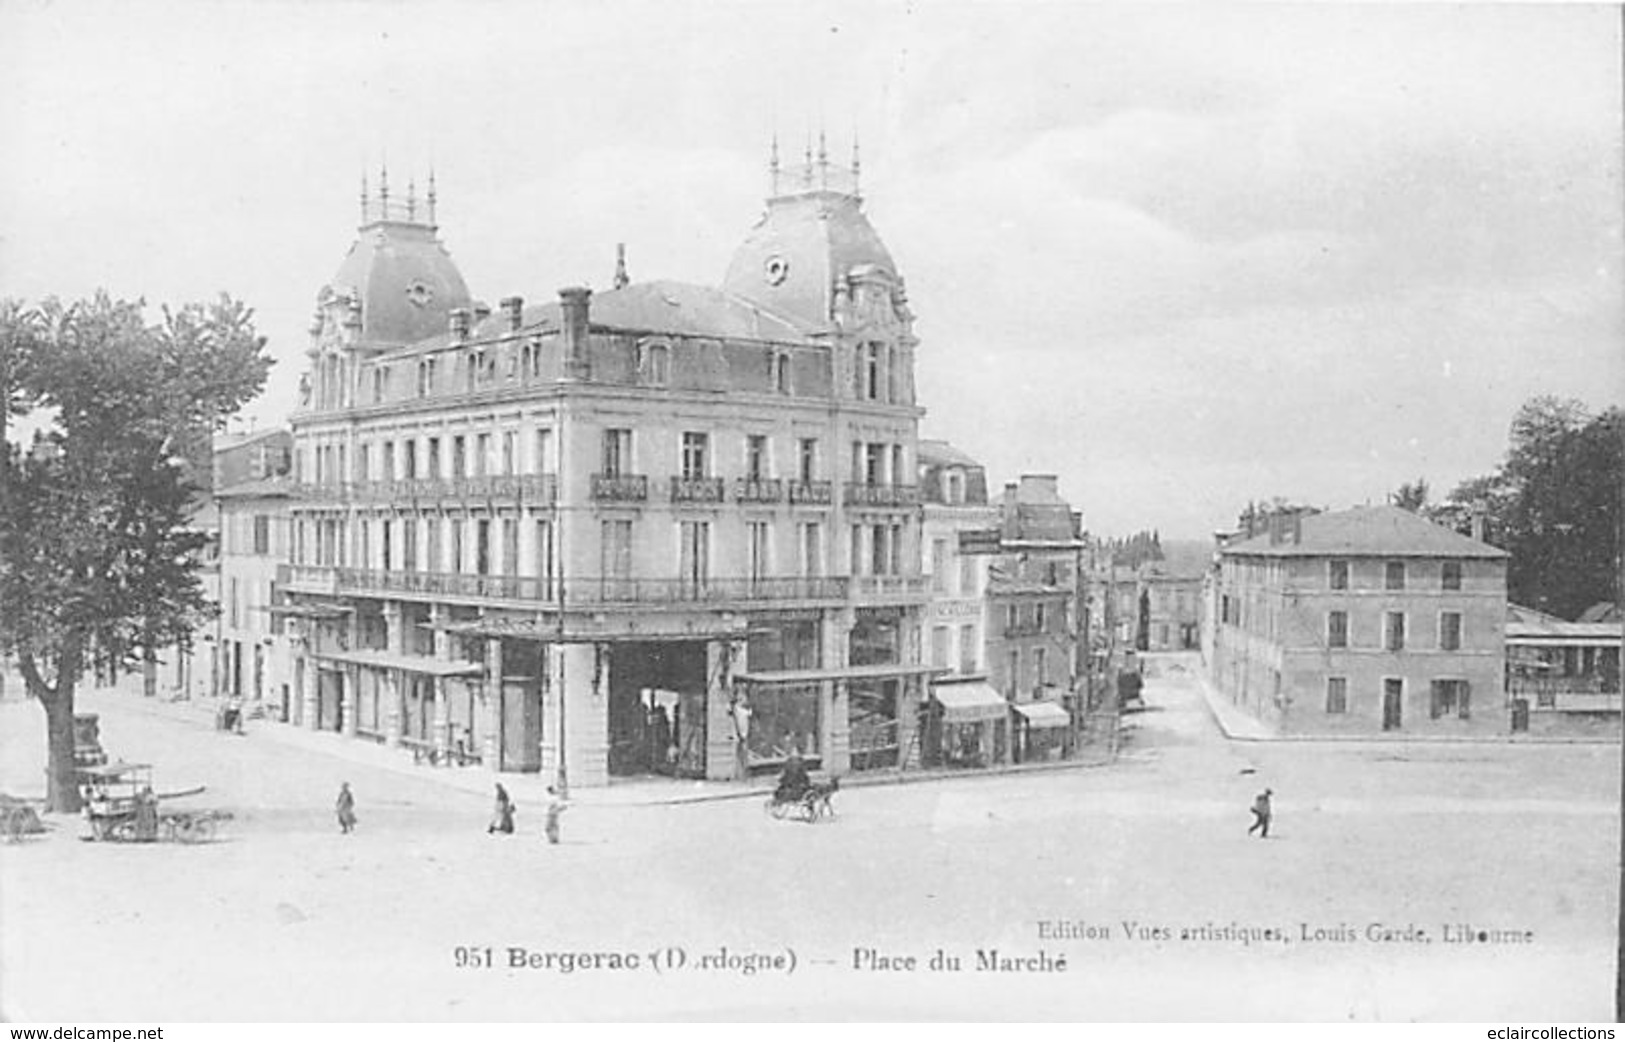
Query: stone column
[[834, 636], [572, 670], [310, 694], [442, 711], [493, 707], [393, 692], [349, 692]]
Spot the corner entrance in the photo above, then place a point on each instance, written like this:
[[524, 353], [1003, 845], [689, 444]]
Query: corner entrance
[[657, 709]]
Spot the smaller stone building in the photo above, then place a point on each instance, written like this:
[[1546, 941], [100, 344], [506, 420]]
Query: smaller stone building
[[1362, 621]]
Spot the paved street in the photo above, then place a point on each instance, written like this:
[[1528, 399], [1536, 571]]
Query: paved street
[[284, 919]]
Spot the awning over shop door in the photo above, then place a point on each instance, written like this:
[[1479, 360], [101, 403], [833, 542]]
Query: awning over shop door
[[969, 703], [1044, 714]]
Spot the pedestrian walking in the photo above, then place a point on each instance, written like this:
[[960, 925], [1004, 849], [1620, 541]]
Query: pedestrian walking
[[502, 816], [1261, 815], [556, 805], [344, 807]]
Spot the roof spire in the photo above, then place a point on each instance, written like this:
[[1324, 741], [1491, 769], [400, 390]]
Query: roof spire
[[806, 169], [363, 196], [773, 164], [383, 192], [412, 199], [823, 161], [855, 162], [431, 194], [622, 280]]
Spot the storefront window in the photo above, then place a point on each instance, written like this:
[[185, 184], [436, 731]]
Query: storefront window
[[783, 719]]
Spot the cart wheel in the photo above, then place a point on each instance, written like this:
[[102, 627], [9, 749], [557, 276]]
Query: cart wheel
[[124, 831], [808, 810], [178, 830], [777, 808]]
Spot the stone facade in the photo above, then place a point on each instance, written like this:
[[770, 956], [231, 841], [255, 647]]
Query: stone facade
[[1362, 621], [652, 520]]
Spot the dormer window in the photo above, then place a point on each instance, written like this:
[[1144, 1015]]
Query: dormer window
[[656, 364], [781, 372], [955, 492]]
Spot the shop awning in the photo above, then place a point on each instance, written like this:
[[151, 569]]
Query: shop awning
[[411, 663], [1044, 714], [968, 703]]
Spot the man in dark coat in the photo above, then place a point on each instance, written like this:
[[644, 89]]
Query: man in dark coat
[[1261, 815], [794, 781]]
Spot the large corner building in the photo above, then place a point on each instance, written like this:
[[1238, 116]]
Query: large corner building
[[659, 529]]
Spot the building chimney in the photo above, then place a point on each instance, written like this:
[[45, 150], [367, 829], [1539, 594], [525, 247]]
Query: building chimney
[[1477, 521], [574, 302], [482, 311], [514, 308], [458, 323], [1275, 529]]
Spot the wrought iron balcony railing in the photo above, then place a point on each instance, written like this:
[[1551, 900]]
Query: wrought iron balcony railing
[[889, 586], [696, 490], [758, 490], [620, 488], [866, 495], [811, 493]]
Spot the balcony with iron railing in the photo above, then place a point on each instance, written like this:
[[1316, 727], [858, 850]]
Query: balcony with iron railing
[[734, 590], [890, 587], [811, 493], [532, 488], [758, 490], [620, 488], [875, 495], [310, 578], [696, 490]]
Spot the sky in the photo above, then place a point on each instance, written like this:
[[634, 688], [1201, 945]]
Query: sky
[[1183, 257]]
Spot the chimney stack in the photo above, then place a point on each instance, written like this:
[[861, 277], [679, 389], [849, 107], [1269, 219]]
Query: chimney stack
[[514, 308], [573, 306], [482, 311], [1478, 526], [459, 325]]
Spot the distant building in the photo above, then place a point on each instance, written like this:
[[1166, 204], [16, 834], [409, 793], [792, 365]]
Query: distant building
[[954, 489], [1033, 615], [1563, 677], [1158, 606], [1362, 621], [255, 659]]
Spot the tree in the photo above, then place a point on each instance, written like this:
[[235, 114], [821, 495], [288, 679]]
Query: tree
[[1412, 496], [95, 552], [1554, 505]]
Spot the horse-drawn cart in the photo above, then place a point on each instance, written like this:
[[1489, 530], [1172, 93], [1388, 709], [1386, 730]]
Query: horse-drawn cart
[[121, 806]]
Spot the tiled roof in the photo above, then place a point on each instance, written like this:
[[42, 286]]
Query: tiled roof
[[1385, 531]]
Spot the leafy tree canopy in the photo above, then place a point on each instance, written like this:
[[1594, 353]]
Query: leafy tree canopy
[[94, 544]]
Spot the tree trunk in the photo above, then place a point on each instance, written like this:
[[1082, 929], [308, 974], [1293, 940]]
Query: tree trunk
[[149, 667], [61, 774], [62, 780]]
